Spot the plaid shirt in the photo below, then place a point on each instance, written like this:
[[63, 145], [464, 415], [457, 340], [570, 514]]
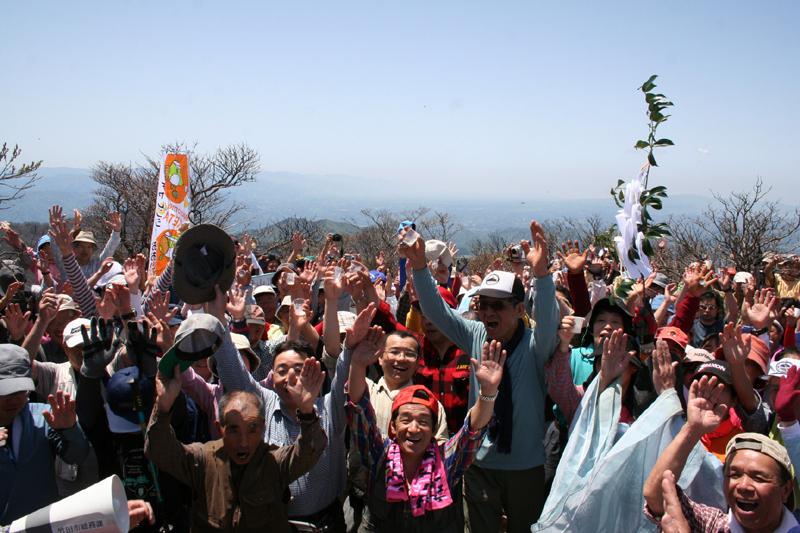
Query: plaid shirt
[[458, 452], [447, 377]]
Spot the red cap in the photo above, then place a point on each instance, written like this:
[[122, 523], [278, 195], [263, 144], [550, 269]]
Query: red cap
[[448, 297], [759, 352], [412, 394], [674, 334]]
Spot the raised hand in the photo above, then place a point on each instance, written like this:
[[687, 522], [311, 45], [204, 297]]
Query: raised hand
[[356, 333], [565, 332], [236, 303], [733, 344], [670, 295], [298, 243], [12, 239], [759, 313], [705, 410], [536, 251], [114, 222], [333, 287], [165, 338], [11, 291], [309, 272], [59, 231], [663, 367], [698, 279], [159, 306], [167, 390], [673, 520], [76, 221], [130, 268], [62, 411], [16, 322], [48, 306], [304, 391], [369, 348], [489, 371], [571, 256], [106, 308], [142, 348], [99, 347], [415, 253], [787, 402], [615, 358]]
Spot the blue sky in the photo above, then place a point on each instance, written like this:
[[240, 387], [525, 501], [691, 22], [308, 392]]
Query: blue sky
[[501, 99]]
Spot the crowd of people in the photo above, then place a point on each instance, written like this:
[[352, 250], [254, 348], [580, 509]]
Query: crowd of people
[[333, 393]]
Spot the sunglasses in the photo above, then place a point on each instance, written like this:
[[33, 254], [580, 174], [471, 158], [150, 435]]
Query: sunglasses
[[493, 305]]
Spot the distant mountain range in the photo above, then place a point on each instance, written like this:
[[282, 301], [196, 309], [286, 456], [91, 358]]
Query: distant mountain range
[[338, 199]]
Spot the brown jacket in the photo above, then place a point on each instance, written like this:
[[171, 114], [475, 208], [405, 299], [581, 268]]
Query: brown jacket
[[261, 504]]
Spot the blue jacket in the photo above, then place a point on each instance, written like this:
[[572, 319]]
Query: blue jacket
[[28, 481], [526, 366]]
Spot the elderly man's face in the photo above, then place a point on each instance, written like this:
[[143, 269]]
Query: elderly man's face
[[754, 490], [413, 427], [242, 430], [500, 316], [11, 405]]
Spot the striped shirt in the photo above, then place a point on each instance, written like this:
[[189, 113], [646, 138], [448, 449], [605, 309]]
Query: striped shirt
[[316, 490], [81, 292]]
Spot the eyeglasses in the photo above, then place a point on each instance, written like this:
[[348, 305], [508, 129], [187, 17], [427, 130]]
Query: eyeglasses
[[493, 305], [404, 354]]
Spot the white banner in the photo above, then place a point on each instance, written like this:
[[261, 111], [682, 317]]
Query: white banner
[[173, 200]]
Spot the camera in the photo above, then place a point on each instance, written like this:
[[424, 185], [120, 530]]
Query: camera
[[515, 254], [336, 237]]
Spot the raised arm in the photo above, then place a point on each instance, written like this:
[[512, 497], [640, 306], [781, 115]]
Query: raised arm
[[335, 399], [448, 321], [232, 373], [575, 261], [161, 445], [59, 232], [736, 350], [66, 436], [704, 413], [114, 224], [545, 306], [300, 457]]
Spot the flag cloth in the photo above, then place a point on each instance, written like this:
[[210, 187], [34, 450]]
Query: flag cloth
[[173, 201], [599, 482]]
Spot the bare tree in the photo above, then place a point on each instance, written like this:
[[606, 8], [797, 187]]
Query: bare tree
[[737, 230], [15, 180], [439, 225], [745, 225], [131, 190]]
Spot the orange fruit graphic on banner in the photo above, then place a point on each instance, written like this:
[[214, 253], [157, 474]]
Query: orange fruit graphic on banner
[[176, 182], [164, 243]]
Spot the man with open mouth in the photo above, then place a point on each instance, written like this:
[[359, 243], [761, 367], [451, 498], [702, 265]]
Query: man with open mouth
[[239, 482], [508, 474], [757, 478]]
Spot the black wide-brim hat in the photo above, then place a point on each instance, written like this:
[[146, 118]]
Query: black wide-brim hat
[[204, 257]]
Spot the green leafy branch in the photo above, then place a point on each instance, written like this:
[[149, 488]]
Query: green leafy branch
[[650, 198]]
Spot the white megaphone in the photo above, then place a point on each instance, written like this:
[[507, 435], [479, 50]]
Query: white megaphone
[[101, 508]]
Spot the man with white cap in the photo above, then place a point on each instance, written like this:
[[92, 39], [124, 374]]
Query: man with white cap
[[508, 475], [29, 434]]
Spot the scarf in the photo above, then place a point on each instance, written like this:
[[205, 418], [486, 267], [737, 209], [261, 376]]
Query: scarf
[[428, 491], [501, 431], [717, 440]]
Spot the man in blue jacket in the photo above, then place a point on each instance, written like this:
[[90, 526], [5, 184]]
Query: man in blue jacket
[[508, 475], [30, 437]]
